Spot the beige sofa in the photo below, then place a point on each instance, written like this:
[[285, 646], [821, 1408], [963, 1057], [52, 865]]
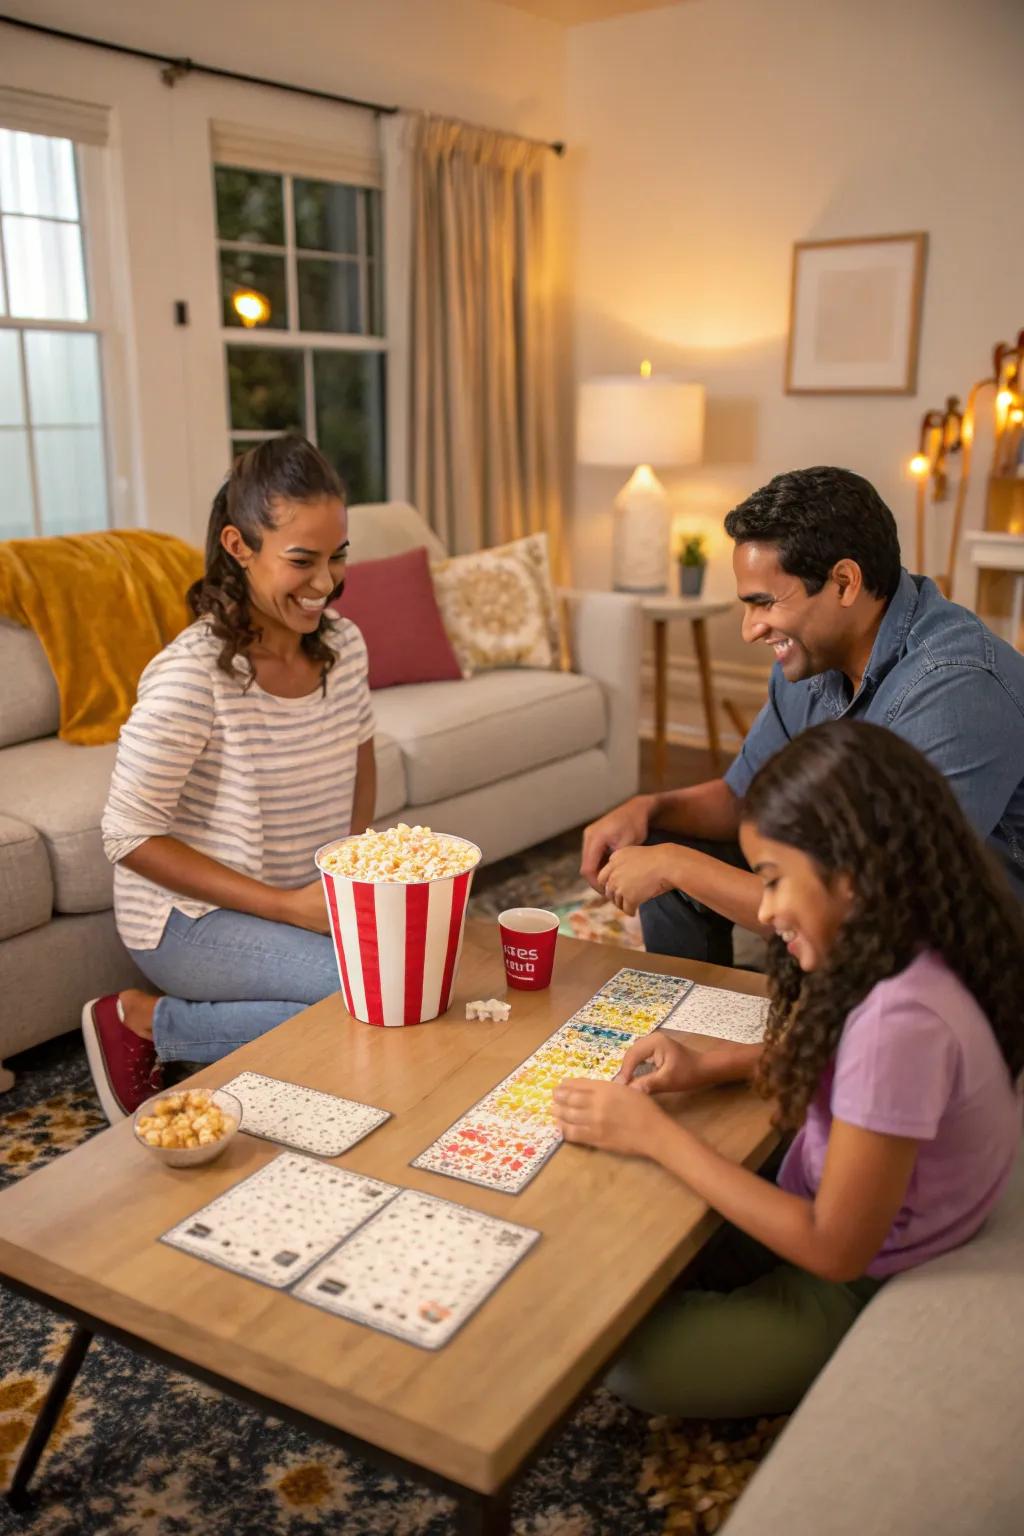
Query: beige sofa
[[505, 758]]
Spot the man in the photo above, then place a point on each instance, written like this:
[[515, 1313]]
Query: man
[[817, 565]]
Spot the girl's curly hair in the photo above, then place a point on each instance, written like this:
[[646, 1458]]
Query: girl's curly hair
[[860, 801], [285, 468]]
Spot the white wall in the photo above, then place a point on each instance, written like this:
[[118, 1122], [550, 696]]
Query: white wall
[[487, 63], [707, 138]]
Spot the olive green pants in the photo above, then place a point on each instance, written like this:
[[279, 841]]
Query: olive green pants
[[741, 1334]]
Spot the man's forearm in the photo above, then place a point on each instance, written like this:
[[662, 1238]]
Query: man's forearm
[[709, 810], [735, 893]]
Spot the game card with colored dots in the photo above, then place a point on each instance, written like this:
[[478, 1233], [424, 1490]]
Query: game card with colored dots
[[419, 1269], [646, 988], [502, 1153], [275, 1224], [727, 1015]]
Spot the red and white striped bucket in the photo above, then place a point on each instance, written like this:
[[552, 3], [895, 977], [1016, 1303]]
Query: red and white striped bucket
[[397, 944]]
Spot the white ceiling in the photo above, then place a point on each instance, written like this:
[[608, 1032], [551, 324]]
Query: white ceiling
[[572, 12]]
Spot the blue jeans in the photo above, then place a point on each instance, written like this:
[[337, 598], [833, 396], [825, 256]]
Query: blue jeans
[[228, 978], [677, 924]]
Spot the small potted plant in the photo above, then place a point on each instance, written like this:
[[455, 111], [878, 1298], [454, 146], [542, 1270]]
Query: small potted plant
[[692, 560]]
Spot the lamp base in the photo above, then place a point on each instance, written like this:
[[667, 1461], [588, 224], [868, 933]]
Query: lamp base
[[640, 559]]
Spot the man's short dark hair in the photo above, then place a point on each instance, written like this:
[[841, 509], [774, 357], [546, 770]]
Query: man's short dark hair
[[817, 517]]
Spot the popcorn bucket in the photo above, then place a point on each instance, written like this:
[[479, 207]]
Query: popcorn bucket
[[397, 943]]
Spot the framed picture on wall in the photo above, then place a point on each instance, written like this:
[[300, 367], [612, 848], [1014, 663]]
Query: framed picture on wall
[[855, 316]]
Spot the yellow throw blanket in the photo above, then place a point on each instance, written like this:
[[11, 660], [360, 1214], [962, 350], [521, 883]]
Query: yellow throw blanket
[[103, 605]]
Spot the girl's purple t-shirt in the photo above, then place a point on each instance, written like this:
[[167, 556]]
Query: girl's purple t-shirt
[[918, 1058]]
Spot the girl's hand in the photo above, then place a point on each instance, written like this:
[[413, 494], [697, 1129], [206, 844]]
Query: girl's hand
[[677, 1067], [307, 908], [606, 1115]]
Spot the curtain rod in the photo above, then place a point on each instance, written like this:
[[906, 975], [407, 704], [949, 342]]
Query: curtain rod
[[175, 69]]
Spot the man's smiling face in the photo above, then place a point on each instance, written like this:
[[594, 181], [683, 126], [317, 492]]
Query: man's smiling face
[[807, 633]]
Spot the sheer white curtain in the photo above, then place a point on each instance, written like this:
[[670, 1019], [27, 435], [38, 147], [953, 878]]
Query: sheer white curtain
[[473, 416]]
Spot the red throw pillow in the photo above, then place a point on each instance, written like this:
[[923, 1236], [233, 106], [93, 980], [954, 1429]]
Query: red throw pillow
[[392, 602]]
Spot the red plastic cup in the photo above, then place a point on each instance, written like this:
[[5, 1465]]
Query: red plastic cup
[[528, 936]]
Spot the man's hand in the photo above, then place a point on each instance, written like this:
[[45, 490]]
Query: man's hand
[[677, 1067], [635, 875], [607, 1115], [306, 908], [625, 827]]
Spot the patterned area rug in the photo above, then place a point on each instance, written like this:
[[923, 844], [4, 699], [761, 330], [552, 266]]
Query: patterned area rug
[[143, 1451]]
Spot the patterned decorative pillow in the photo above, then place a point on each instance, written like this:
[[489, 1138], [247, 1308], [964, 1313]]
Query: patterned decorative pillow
[[499, 608]]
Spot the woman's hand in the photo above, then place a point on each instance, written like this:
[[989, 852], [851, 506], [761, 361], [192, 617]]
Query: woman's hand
[[306, 908], [607, 1115], [677, 1067]]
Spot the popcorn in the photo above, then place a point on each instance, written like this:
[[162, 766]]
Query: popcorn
[[189, 1119], [399, 855], [493, 1008]]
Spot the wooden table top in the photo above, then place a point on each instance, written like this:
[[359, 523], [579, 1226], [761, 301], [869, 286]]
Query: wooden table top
[[616, 1230]]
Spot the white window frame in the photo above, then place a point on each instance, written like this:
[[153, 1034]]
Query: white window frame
[[293, 339], [93, 192]]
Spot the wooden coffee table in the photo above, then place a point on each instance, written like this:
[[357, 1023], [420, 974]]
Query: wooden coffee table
[[80, 1237]]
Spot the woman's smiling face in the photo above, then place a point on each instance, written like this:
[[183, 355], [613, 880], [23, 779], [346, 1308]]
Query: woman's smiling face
[[299, 565], [805, 910]]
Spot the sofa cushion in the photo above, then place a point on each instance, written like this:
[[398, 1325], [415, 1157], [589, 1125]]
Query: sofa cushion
[[60, 790], [391, 795], [26, 889], [29, 701], [380, 528], [392, 604], [458, 736]]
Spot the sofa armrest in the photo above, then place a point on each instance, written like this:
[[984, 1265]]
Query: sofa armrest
[[605, 643]]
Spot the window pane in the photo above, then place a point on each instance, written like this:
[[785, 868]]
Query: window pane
[[240, 270], [63, 379], [266, 389], [243, 444], [37, 175], [250, 206], [350, 418], [45, 270], [372, 217], [12, 404], [325, 217], [16, 501], [329, 296], [375, 298], [72, 479]]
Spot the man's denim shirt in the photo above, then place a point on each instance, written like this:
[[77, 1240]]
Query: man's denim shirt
[[943, 681]]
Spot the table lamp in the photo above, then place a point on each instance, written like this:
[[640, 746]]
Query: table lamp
[[643, 421]]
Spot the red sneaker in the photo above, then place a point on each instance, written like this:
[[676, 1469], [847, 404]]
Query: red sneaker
[[124, 1067]]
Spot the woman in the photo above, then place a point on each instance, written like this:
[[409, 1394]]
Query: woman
[[893, 1048], [251, 744]]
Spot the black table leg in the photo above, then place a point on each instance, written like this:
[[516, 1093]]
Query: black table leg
[[49, 1413], [485, 1514]]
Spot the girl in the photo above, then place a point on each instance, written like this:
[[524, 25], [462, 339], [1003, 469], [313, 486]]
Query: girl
[[251, 743], [893, 1044]]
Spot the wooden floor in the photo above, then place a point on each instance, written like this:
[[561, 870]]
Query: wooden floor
[[686, 765]]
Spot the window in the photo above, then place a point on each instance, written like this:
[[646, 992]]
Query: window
[[300, 282], [53, 452]]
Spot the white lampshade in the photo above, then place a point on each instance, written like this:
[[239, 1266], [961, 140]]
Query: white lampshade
[[628, 420]]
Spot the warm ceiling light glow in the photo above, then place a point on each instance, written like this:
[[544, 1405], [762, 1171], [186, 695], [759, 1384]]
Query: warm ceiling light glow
[[920, 465], [252, 308], [645, 369]]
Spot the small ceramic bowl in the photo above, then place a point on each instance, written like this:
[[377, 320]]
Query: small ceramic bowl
[[190, 1157]]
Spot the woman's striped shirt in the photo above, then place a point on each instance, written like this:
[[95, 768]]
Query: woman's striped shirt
[[255, 781]]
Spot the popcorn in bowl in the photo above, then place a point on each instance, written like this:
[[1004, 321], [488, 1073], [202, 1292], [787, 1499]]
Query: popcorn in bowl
[[189, 1127], [399, 855]]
